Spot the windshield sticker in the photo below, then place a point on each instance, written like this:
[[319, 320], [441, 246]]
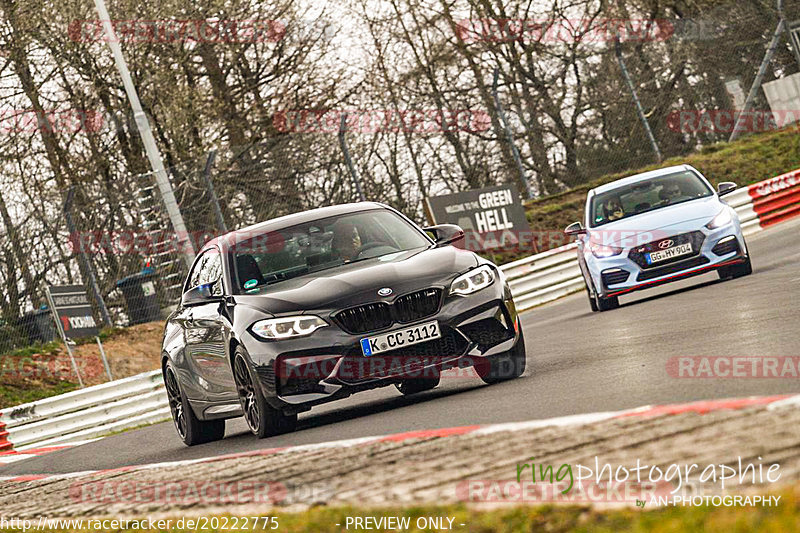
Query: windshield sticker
[[250, 283]]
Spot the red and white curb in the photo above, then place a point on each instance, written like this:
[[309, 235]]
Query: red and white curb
[[649, 411], [12, 456]]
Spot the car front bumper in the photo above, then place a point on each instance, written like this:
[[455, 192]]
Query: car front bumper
[[297, 374], [628, 271]]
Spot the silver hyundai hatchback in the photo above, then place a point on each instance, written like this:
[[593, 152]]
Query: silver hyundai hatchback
[[654, 228]]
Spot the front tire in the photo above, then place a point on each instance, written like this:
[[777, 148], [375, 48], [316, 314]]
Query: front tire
[[191, 429], [606, 304], [506, 366], [262, 419]]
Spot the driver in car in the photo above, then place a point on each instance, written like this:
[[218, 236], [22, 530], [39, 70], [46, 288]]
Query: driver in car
[[346, 241], [613, 209], [669, 192]]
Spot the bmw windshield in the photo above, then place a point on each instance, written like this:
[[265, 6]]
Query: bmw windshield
[[273, 257], [640, 197]]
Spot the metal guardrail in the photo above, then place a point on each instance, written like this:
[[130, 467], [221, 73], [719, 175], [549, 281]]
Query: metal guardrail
[[544, 277], [87, 413]]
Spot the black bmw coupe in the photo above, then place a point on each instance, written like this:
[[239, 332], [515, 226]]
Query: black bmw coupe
[[313, 307]]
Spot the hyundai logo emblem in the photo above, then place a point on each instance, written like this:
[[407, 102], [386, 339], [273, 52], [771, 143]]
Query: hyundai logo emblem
[[666, 244], [386, 291]]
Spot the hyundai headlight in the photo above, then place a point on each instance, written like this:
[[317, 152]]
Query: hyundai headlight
[[722, 219], [473, 281], [288, 327], [601, 251]]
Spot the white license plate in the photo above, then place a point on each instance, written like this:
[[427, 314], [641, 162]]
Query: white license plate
[[400, 338], [662, 255]]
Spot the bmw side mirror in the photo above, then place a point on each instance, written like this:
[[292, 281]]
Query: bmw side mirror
[[199, 295], [725, 187], [445, 233], [576, 228]]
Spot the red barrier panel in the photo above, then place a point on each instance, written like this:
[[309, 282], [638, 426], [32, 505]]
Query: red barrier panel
[[777, 208], [4, 444], [776, 199], [774, 185]]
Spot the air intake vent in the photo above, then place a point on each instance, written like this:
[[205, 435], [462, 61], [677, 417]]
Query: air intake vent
[[725, 247], [614, 277]]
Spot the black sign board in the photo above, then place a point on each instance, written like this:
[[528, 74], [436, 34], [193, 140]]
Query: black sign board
[[73, 310], [491, 218]]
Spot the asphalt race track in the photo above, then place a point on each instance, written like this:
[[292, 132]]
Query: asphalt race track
[[578, 362]]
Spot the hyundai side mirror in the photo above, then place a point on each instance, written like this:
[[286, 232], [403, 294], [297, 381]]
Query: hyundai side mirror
[[201, 294], [725, 187], [445, 233], [576, 228]]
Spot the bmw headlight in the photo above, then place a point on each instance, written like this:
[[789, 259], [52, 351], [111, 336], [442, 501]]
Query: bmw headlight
[[722, 219], [601, 251], [473, 281], [288, 327]]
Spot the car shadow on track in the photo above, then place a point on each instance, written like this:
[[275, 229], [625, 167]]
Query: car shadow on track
[[653, 297], [380, 406], [372, 407], [672, 292]]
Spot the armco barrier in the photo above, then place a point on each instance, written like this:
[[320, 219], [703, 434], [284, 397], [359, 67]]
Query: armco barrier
[[544, 277], [550, 275], [87, 413], [776, 199]]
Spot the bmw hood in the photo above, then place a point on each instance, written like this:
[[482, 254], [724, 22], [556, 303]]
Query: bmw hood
[[357, 283], [657, 224]]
